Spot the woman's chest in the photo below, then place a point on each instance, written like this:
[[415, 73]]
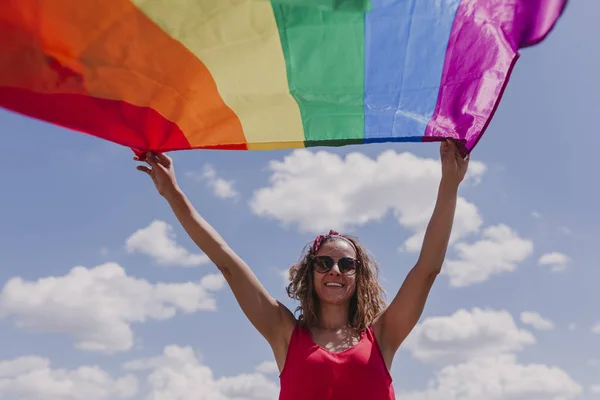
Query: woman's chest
[[354, 373], [354, 361], [336, 342]]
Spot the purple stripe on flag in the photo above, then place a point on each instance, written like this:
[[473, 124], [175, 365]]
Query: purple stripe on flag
[[483, 47]]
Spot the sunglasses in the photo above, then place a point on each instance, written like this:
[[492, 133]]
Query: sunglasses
[[323, 264]]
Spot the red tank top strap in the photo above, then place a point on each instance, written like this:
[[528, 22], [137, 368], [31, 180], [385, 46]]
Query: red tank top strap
[[370, 334], [300, 339]]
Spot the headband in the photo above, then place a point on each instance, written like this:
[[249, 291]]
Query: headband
[[320, 238]]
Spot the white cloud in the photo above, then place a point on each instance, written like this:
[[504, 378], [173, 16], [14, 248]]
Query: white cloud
[[466, 335], [596, 328], [285, 277], [595, 389], [537, 321], [96, 306], [593, 362], [267, 367], [555, 260], [178, 374], [157, 240], [466, 221], [499, 378], [318, 191], [222, 188], [33, 378], [476, 351], [343, 193], [500, 250]]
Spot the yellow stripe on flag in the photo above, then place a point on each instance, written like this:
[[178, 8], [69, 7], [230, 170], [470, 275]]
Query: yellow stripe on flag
[[238, 41]]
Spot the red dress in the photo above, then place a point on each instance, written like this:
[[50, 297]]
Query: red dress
[[314, 373]]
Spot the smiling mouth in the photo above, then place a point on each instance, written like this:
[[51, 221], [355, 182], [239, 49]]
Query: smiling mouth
[[334, 284]]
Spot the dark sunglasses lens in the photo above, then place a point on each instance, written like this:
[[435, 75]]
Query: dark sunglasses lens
[[347, 265], [323, 264]]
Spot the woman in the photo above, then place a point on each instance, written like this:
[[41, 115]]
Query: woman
[[343, 343]]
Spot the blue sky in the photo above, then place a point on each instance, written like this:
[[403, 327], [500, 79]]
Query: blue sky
[[71, 200]]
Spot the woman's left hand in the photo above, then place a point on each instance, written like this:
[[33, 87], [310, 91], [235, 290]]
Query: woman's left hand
[[454, 166]]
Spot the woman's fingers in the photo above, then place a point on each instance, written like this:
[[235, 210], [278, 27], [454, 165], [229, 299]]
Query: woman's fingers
[[158, 159], [143, 168], [155, 158], [164, 159], [146, 160]]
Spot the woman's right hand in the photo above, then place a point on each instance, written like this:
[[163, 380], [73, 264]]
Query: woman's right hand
[[161, 171]]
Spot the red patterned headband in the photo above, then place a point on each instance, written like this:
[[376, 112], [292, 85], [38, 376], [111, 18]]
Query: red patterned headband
[[320, 238]]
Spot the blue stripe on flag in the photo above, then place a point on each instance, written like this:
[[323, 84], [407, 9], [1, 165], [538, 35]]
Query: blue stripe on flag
[[405, 49]]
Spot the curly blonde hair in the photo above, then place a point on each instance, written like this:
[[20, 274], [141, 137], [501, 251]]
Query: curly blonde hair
[[367, 301]]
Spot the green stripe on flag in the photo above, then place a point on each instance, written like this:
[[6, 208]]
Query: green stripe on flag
[[339, 5], [325, 57]]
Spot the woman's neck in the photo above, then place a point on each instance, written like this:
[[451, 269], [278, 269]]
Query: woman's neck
[[333, 317]]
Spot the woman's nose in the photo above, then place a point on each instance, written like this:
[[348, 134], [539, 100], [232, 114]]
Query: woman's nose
[[335, 270]]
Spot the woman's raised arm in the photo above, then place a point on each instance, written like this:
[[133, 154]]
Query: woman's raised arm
[[272, 319]]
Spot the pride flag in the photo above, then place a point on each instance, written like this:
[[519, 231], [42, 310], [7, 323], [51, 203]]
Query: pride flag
[[166, 75]]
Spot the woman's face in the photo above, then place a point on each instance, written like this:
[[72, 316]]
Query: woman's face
[[337, 285]]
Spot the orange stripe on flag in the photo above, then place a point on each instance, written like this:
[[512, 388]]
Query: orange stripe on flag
[[111, 50]]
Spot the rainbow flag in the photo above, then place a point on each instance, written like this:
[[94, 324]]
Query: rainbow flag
[[165, 75]]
